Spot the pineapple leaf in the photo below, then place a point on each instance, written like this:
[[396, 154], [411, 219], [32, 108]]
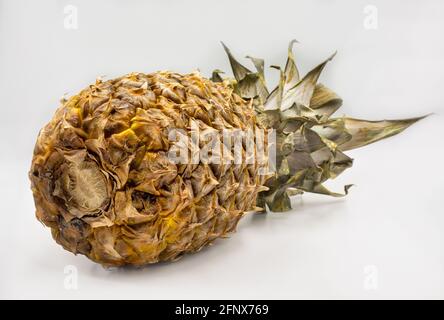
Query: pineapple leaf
[[259, 65], [365, 132], [261, 87], [248, 86], [333, 130], [274, 100], [279, 201], [216, 77], [302, 92], [309, 143], [324, 101], [239, 70], [321, 189], [291, 70]]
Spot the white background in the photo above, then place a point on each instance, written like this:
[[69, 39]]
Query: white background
[[385, 240]]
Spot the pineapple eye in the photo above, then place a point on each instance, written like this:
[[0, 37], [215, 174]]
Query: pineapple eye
[[143, 201]]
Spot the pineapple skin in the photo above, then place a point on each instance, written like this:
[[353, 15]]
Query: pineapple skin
[[102, 181]]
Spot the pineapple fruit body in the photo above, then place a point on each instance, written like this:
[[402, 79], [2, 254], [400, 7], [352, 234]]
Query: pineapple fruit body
[[103, 179]]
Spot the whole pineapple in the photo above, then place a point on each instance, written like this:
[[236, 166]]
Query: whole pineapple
[[103, 179]]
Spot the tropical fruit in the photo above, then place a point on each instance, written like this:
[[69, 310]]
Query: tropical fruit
[[119, 175]]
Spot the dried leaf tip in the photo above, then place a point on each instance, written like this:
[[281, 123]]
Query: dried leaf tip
[[364, 132], [239, 70]]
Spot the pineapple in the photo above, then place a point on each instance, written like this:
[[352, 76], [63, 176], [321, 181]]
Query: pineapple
[[104, 182]]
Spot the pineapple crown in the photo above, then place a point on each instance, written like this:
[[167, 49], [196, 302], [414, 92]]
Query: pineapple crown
[[310, 143]]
